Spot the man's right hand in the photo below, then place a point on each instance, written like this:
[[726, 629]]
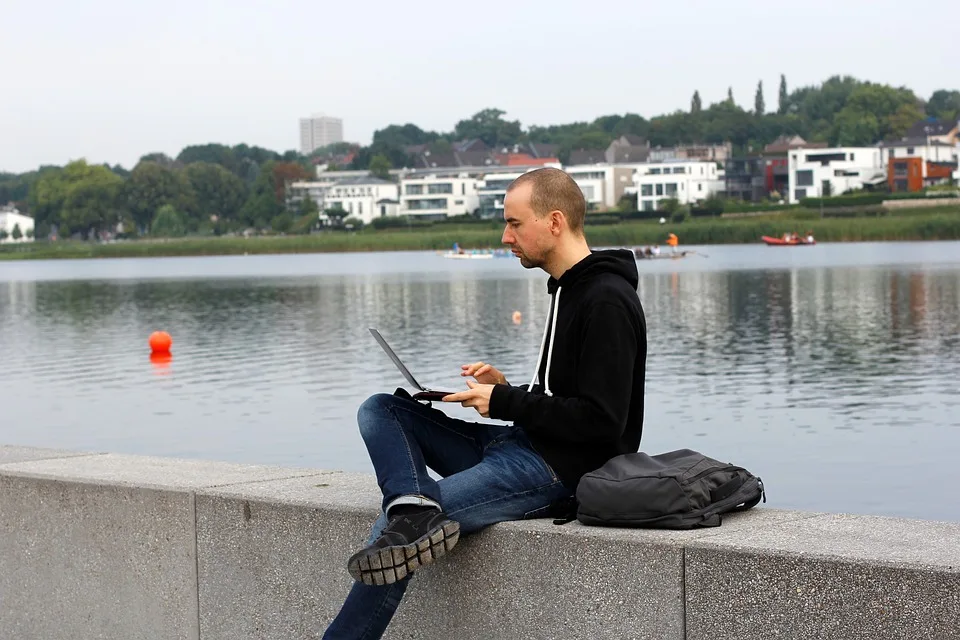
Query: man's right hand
[[483, 373]]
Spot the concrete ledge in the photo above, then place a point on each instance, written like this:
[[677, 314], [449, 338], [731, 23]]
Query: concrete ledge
[[114, 546]]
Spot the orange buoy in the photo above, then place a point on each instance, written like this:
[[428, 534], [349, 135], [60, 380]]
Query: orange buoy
[[160, 342]]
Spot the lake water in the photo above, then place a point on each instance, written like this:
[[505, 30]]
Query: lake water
[[831, 371]]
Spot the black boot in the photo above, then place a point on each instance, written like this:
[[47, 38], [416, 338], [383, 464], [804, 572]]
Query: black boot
[[407, 543]]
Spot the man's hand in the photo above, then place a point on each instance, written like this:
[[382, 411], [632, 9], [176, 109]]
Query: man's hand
[[483, 373], [477, 396]]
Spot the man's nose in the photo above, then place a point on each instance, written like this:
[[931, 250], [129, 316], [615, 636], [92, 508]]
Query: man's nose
[[506, 238]]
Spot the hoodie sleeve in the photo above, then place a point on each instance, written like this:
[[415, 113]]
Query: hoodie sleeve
[[608, 351]]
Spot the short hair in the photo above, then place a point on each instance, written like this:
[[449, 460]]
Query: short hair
[[554, 190]]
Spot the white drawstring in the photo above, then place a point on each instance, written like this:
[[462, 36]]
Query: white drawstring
[[551, 326]]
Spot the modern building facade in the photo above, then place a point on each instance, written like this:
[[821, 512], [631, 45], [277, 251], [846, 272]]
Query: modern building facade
[[318, 131]]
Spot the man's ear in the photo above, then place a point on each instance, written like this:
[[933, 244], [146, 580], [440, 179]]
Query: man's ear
[[557, 221]]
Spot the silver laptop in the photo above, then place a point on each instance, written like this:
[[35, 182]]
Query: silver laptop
[[424, 393]]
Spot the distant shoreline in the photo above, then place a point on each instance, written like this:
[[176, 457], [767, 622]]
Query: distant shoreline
[[907, 225]]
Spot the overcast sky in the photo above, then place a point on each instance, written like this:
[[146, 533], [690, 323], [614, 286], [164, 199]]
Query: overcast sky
[[111, 80]]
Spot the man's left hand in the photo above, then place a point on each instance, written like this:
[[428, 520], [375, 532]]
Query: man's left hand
[[477, 396]]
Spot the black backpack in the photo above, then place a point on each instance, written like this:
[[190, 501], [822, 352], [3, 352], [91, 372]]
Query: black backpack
[[676, 490]]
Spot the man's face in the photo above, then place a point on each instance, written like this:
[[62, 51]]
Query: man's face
[[528, 236]]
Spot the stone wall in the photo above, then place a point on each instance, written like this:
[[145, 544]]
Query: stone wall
[[130, 547]]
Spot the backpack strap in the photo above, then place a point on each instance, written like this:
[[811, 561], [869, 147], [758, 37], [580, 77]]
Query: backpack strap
[[564, 510]]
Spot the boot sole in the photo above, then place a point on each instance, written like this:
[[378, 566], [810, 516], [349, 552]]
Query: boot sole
[[390, 564]]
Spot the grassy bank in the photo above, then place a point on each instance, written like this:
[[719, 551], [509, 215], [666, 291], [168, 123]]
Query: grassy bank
[[921, 224]]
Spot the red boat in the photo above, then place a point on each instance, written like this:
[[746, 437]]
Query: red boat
[[780, 242]]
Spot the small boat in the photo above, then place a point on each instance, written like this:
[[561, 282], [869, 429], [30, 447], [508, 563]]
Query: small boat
[[780, 242], [466, 255]]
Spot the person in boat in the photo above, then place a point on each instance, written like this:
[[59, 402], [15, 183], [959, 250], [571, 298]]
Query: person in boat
[[648, 252], [655, 251], [583, 407], [810, 239], [673, 241]]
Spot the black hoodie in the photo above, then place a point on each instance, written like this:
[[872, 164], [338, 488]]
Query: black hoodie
[[588, 406]]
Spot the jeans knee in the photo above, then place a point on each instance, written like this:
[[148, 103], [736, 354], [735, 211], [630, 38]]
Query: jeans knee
[[372, 411]]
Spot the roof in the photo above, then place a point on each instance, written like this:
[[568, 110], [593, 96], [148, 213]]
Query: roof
[[387, 201], [914, 142], [630, 154], [360, 180], [587, 156], [931, 127]]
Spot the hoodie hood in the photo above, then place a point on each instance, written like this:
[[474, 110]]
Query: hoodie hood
[[618, 261]]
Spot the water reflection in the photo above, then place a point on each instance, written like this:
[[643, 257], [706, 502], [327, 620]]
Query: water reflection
[[835, 383]]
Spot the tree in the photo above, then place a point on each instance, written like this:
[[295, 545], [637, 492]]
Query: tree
[[380, 166], [758, 105], [17, 234], [401, 136], [168, 223], [152, 185], [783, 103], [944, 105], [308, 207], [3, 235], [489, 126], [282, 222], [695, 104], [730, 96], [217, 191]]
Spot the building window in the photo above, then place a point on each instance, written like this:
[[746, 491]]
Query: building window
[[659, 189], [413, 189], [799, 194], [463, 188], [646, 205], [804, 178], [654, 172], [679, 170], [443, 187], [360, 208], [900, 185], [458, 202], [383, 210], [646, 190], [699, 186], [909, 151], [672, 190]]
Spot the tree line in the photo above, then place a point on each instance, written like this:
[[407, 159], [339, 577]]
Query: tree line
[[216, 189]]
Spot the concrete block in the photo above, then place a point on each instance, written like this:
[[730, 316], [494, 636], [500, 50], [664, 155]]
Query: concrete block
[[272, 564], [826, 577], [88, 561], [10, 454]]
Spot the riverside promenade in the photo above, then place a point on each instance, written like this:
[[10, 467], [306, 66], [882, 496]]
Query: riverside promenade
[[102, 545]]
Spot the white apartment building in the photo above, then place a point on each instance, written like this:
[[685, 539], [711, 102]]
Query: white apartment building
[[11, 219], [319, 131], [815, 173], [436, 195], [602, 184], [684, 180]]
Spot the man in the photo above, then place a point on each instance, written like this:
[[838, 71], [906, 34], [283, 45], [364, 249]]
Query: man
[[586, 408]]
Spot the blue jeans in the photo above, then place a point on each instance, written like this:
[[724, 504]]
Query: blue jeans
[[490, 473]]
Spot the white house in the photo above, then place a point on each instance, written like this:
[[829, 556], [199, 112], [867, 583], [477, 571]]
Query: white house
[[361, 197], [10, 221], [436, 195], [687, 181], [815, 173], [602, 184]]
